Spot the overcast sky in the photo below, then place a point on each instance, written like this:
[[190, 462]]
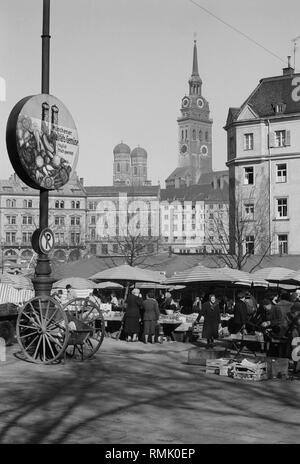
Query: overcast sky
[[122, 67]]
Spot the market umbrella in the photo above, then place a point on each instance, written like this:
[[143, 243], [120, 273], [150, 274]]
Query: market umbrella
[[243, 278], [76, 282], [272, 274], [293, 278], [17, 281], [199, 274], [151, 285], [108, 285], [129, 274]]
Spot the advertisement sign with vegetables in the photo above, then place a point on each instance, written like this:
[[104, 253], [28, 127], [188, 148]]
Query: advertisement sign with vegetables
[[45, 148]]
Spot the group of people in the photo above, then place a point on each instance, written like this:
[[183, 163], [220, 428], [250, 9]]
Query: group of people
[[274, 317], [140, 316]]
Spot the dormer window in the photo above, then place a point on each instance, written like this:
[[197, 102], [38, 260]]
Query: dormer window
[[279, 108]]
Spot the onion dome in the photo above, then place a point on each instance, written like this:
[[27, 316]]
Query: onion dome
[[121, 148], [139, 152]]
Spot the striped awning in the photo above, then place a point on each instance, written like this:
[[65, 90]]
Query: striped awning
[[199, 274], [243, 278], [293, 278], [272, 274], [17, 281]]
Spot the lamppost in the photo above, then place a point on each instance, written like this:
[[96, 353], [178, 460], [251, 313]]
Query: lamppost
[[42, 144]]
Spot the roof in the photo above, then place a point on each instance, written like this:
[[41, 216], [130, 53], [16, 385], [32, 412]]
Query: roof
[[139, 152], [115, 190], [121, 148], [179, 172], [195, 192], [269, 92], [14, 185]]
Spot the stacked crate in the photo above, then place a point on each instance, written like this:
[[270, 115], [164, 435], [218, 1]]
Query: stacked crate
[[249, 370]]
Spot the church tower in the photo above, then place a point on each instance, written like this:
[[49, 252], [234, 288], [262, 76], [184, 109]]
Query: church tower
[[194, 132]]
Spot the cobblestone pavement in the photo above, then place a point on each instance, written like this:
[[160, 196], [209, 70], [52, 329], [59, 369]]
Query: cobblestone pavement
[[132, 393]]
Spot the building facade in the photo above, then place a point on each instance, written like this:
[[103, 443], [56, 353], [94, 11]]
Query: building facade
[[263, 147]]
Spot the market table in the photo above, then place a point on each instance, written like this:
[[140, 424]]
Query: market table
[[239, 342]]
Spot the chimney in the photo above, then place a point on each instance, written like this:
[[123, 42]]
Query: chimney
[[289, 71]]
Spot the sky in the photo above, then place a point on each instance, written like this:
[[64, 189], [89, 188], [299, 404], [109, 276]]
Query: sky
[[121, 67]]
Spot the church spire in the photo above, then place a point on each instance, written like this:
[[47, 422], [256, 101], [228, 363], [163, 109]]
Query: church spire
[[195, 81], [195, 71]]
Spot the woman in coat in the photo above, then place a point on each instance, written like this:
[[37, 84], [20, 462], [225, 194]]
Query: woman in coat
[[150, 316], [132, 316], [211, 312]]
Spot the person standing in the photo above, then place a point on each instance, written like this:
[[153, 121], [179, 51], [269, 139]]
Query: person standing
[[211, 313], [132, 316], [150, 316], [238, 323], [71, 294]]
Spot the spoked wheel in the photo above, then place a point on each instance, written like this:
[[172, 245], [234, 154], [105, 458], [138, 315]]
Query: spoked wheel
[[86, 317], [42, 330]]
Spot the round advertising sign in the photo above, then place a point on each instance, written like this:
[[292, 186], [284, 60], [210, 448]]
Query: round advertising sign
[[42, 240], [42, 141]]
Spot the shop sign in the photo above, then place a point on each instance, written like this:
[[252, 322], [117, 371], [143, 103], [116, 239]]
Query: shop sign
[[42, 142]]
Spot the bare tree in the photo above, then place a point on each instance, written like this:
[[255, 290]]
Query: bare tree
[[135, 249], [239, 235]]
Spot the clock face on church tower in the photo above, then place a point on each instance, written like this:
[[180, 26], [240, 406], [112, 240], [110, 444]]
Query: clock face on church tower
[[185, 102], [200, 102]]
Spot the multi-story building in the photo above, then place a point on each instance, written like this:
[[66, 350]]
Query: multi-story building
[[194, 134], [115, 213], [194, 219], [19, 212], [264, 167]]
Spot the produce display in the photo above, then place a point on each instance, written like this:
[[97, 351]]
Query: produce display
[[37, 150]]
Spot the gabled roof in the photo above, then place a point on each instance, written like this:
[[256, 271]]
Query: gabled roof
[[269, 92]]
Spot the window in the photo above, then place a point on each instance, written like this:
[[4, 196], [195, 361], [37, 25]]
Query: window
[[150, 248], [249, 211], [118, 167], [281, 207], [26, 237], [280, 138], [166, 216], [12, 220], [249, 175], [182, 135], [206, 136], [194, 134], [77, 204], [200, 135], [27, 203], [231, 146], [93, 220], [75, 238], [281, 172], [283, 244], [93, 234], [92, 205], [175, 217], [211, 215], [10, 203], [115, 248], [175, 227], [27, 220], [250, 244], [59, 237], [104, 249], [59, 220], [75, 221], [10, 237], [135, 170], [248, 141], [59, 204]]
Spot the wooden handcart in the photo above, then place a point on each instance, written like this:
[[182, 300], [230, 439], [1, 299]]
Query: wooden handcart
[[48, 332]]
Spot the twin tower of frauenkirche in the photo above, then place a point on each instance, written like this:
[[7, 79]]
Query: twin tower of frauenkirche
[[194, 134], [194, 137]]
